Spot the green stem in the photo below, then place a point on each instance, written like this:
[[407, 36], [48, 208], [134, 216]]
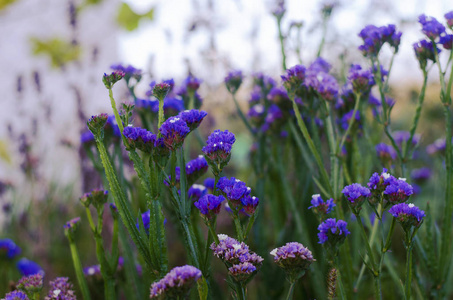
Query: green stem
[[115, 112], [323, 39], [408, 283], [238, 225], [240, 290], [291, 291], [351, 121], [282, 42], [79, 271], [368, 248], [161, 114], [312, 147], [250, 224], [191, 243]]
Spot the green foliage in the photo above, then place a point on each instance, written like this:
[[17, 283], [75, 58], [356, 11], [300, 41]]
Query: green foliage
[[128, 19], [59, 51], [5, 3]]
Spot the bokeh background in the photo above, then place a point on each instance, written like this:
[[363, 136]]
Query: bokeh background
[[54, 52]]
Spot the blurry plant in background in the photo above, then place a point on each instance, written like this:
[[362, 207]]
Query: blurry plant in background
[[325, 140]]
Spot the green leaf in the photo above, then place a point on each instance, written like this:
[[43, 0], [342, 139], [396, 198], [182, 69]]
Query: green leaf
[[129, 20], [59, 51], [202, 287]]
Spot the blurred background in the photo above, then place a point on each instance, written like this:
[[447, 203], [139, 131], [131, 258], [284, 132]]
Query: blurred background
[[53, 54]]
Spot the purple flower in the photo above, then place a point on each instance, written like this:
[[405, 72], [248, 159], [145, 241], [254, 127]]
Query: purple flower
[[320, 207], [97, 197], [209, 205], [31, 284], [449, 17], [173, 131], [242, 271], [177, 283], [374, 38], [234, 252], [16, 295], [328, 87], [256, 114], [112, 78], [385, 152], [403, 136], [234, 190], [218, 147], [356, 195], [87, 138], [279, 96], [424, 51], [193, 117], [96, 123], [361, 80], [196, 168], [140, 138], [264, 82], [431, 27], [294, 258], [279, 10], [446, 41], [332, 232], [398, 191], [94, 270], [377, 184], [294, 77], [196, 191], [421, 175], [344, 122], [128, 70], [192, 83], [72, 224], [437, 147], [146, 219], [27, 267], [233, 81], [407, 214], [320, 65], [9, 249], [61, 289], [274, 119], [209, 183], [172, 106], [249, 204]]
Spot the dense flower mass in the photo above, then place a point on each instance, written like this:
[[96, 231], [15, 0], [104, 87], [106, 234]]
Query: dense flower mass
[[9, 249], [242, 271], [218, 147], [407, 214], [27, 267], [196, 191], [209, 205], [398, 191], [173, 131], [196, 168], [16, 295], [356, 195], [61, 289], [192, 83], [362, 80], [129, 71], [234, 190], [294, 77], [294, 258], [431, 27], [320, 206], [249, 204], [177, 283], [31, 284], [385, 152], [375, 37], [332, 231], [424, 51], [140, 138], [234, 252], [193, 117], [233, 81]]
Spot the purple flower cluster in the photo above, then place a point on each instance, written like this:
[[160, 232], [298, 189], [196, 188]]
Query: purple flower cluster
[[385, 152], [294, 258], [96, 123], [424, 51], [196, 191], [279, 96], [192, 83], [346, 118], [31, 284], [94, 270], [356, 195], [196, 168], [362, 80], [97, 197], [274, 119], [16, 295], [61, 289], [407, 214], [320, 207], [377, 184], [446, 41], [231, 251], [233, 81], [402, 137], [375, 37], [218, 147], [177, 283], [173, 131], [9, 249], [449, 17], [294, 77], [249, 204], [129, 71], [431, 27], [209, 205], [398, 191], [242, 271], [234, 190], [193, 117], [27, 267], [140, 138], [421, 175], [332, 231], [438, 146]]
